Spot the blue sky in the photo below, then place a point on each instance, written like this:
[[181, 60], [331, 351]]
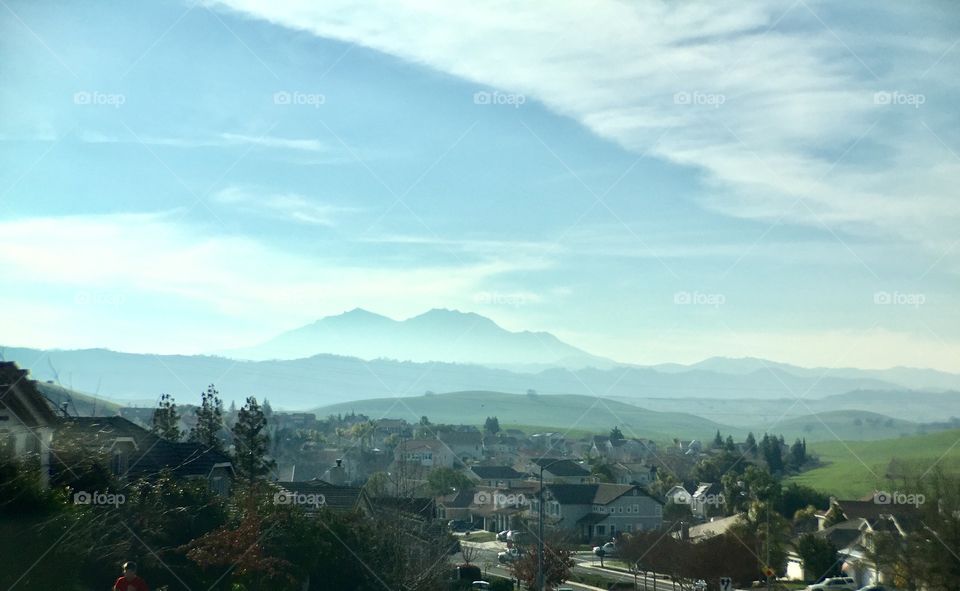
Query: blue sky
[[652, 182]]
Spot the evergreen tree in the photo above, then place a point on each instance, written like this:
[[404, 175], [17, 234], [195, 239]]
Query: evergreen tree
[[267, 409], [751, 444], [209, 420], [717, 441], [250, 442], [616, 433], [797, 455], [730, 445], [166, 421], [492, 425]]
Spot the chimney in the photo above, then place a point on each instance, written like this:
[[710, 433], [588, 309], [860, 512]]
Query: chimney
[[684, 531], [339, 462]]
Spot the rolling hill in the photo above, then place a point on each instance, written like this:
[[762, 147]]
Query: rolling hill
[[557, 412], [856, 469], [330, 379]]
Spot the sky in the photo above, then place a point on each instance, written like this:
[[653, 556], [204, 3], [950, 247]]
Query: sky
[[650, 181]]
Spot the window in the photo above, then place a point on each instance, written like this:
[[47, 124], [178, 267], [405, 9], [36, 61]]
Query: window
[[636, 508], [619, 509], [629, 528], [601, 530]]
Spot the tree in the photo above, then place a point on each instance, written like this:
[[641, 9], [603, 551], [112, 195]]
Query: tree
[[751, 444], [377, 485], [717, 441], [819, 556], [209, 420], [798, 455], [492, 425], [557, 565], [166, 420], [250, 443], [443, 481], [616, 433], [729, 445], [267, 409]]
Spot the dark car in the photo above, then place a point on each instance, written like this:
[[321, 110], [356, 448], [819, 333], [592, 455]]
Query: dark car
[[458, 525]]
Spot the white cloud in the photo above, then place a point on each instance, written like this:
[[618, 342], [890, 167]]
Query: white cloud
[[238, 283], [221, 140], [764, 98], [287, 206]]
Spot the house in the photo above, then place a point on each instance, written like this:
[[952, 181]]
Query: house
[[314, 495], [678, 495], [429, 453], [496, 476], [499, 508], [464, 444], [27, 421], [456, 505], [596, 511], [689, 447], [634, 473], [494, 445], [707, 500], [559, 471], [134, 453], [553, 442], [855, 536]]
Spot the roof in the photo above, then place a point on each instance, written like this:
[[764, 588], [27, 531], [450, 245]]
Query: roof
[[561, 467], [335, 497], [591, 494], [20, 396], [496, 472], [415, 444], [713, 528], [458, 500], [842, 535], [461, 437], [151, 454], [872, 510]]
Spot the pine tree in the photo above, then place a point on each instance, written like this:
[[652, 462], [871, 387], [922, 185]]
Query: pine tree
[[751, 444], [616, 433], [267, 409], [250, 442], [730, 445], [717, 441], [492, 425], [166, 421], [209, 420]]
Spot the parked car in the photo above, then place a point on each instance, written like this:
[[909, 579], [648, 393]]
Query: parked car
[[458, 525], [877, 588], [502, 536], [510, 555], [480, 585], [607, 550], [834, 584]]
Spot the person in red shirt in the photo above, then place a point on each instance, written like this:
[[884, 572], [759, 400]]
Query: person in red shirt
[[130, 581]]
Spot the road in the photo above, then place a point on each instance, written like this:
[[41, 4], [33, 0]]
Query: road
[[586, 563]]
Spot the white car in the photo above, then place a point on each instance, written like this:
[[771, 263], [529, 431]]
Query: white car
[[502, 536], [511, 555], [609, 549], [834, 584]]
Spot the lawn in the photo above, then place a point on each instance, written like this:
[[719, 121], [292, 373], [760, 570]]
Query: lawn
[[853, 469]]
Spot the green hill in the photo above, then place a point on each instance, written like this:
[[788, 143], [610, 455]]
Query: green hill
[[557, 411], [846, 425], [853, 469]]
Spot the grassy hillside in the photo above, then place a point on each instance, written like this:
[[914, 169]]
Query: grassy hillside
[[846, 425], [857, 468], [560, 412]]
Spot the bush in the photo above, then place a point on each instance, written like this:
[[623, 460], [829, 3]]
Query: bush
[[498, 584]]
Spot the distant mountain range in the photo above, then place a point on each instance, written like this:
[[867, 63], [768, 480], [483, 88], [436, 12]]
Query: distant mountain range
[[441, 335], [329, 379]]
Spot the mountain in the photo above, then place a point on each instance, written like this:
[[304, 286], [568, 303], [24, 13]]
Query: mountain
[[329, 379], [907, 377], [448, 336]]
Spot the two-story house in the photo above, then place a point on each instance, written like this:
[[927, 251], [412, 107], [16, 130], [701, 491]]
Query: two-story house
[[465, 445], [596, 511], [429, 453], [495, 476], [559, 471]]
